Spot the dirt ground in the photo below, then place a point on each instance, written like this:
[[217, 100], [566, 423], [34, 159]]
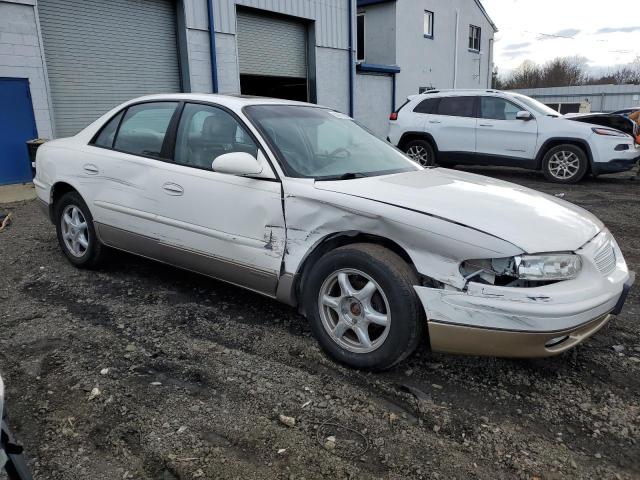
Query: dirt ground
[[192, 376]]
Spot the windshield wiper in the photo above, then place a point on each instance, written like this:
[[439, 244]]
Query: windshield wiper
[[344, 176]]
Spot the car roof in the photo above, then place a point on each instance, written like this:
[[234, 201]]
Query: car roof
[[231, 101], [458, 92]]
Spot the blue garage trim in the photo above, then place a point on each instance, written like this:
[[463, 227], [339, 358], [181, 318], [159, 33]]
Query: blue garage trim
[[375, 68], [351, 60], [212, 46], [364, 3]]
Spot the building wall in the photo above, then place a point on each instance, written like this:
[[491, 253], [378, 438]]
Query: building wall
[[331, 29], [602, 98], [431, 63], [373, 102], [21, 56], [380, 33]]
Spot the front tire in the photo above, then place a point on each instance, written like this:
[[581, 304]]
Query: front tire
[[422, 152], [565, 164], [362, 306], [76, 233]]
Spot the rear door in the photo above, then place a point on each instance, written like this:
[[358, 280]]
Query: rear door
[[500, 133], [454, 124]]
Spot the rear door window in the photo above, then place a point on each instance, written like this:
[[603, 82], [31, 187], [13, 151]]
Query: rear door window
[[457, 106], [430, 105], [144, 127]]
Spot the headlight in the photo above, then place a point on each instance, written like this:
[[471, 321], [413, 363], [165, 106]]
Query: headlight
[[548, 267], [609, 132], [533, 268]]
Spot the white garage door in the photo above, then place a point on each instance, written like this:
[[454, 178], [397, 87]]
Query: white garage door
[[271, 46], [100, 54]]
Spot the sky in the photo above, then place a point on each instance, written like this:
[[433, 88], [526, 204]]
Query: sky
[[606, 32]]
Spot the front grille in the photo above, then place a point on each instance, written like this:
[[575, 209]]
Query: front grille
[[605, 259]]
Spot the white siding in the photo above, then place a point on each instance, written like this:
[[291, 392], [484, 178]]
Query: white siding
[[373, 102]]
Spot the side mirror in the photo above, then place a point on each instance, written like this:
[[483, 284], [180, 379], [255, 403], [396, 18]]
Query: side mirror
[[237, 163], [524, 115]]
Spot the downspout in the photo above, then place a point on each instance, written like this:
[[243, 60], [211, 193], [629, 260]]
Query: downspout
[[351, 62], [455, 46], [393, 92], [490, 67], [212, 47]]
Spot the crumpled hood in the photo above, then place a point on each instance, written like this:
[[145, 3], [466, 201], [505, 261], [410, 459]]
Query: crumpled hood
[[533, 221]]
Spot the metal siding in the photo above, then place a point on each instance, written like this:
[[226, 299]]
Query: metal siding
[[330, 17], [100, 54], [272, 46]]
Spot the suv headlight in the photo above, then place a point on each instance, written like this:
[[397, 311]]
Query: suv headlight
[[536, 268], [548, 267]]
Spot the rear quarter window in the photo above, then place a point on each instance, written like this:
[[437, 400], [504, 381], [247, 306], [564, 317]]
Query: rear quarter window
[[430, 105]]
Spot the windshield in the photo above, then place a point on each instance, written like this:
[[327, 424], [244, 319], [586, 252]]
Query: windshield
[[536, 105], [314, 142]]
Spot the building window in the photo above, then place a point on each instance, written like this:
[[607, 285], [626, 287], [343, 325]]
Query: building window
[[360, 39], [474, 38], [428, 24]]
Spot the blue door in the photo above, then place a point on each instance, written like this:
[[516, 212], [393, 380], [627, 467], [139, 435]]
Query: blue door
[[17, 125]]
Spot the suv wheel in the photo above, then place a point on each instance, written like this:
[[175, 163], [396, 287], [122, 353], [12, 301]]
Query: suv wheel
[[362, 306], [421, 152], [565, 164], [76, 233]]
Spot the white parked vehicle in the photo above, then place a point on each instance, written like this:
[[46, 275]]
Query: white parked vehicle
[[299, 203], [491, 127]]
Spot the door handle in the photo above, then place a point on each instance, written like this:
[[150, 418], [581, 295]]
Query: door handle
[[91, 169], [435, 121], [173, 189], [485, 125]]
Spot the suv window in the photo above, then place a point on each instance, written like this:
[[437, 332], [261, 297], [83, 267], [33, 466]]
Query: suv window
[[206, 132], [430, 105], [456, 106], [108, 132], [143, 128], [495, 108]]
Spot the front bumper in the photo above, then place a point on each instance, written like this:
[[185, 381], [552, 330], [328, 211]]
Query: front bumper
[[529, 322], [614, 166]]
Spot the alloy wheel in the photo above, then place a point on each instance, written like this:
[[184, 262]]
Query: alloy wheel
[[563, 165], [75, 231], [354, 310], [421, 155]]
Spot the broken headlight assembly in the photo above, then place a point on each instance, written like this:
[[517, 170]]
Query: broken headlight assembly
[[523, 270]]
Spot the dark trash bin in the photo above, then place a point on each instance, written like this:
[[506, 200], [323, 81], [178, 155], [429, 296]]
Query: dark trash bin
[[32, 147]]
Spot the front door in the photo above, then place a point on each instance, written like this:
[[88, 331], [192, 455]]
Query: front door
[[17, 125], [228, 226], [499, 133]]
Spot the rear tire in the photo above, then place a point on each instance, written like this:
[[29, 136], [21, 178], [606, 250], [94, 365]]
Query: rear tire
[[422, 152], [565, 164], [362, 306], [76, 233]]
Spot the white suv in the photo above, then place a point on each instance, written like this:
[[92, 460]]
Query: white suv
[[491, 127]]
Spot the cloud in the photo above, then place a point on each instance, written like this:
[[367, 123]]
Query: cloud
[[565, 33], [516, 54], [517, 46], [618, 29]]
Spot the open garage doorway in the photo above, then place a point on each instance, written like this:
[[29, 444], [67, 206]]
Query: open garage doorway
[[289, 88], [272, 55]]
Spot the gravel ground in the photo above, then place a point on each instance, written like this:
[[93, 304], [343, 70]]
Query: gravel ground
[[140, 370]]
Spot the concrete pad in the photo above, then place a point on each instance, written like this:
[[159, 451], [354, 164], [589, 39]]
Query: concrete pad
[[17, 193]]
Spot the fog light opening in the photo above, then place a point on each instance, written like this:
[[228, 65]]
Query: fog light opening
[[554, 342]]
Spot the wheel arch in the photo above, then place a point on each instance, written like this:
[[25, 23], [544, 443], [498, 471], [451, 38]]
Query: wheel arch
[[58, 189], [556, 141], [336, 240], [410, 136]]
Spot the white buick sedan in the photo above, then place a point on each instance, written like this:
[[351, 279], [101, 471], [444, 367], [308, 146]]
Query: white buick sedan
[[299, 203]]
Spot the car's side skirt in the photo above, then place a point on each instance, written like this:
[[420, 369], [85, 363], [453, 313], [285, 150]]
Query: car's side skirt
[[244, 276], [472, 158]]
